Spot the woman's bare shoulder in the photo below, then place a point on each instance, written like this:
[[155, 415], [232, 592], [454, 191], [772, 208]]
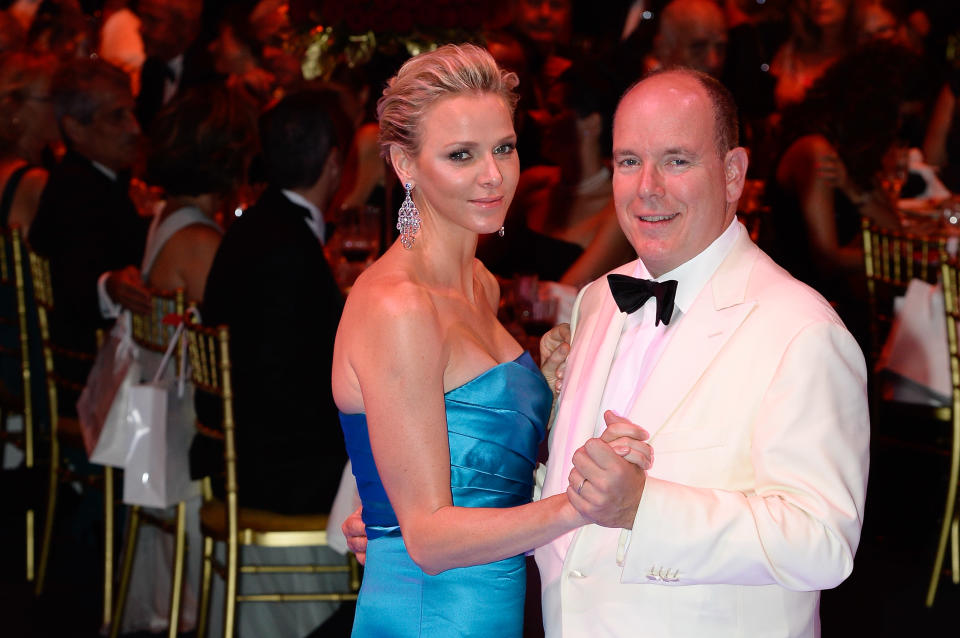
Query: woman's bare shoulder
[[387, 293]]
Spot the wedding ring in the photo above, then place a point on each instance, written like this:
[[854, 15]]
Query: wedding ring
[[580, 487]]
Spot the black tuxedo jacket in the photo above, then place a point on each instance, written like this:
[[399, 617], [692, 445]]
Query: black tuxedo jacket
[[271, 284], [86, 224], [197, 71]]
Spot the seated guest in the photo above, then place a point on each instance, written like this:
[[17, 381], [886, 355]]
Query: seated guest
[[831, 170], [271, 284], [200, 145], [692, 33], [169, 29], [32, 128], [821, 32], [86, 223], [561, 208], [941, 146], [26, 105]]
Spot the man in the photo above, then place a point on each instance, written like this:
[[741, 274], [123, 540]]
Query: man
[[86, 223], [692, 33], [271, 284], [752, 391], [169, 29]]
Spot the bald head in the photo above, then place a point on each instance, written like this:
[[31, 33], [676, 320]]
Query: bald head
[[693, 33]]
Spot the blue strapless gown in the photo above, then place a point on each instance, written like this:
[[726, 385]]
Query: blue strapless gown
[[494, 424]]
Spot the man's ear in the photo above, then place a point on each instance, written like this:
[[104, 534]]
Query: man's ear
[[402, 164], [735, 172]]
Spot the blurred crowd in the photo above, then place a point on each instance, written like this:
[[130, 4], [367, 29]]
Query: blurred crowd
[[136, 136]]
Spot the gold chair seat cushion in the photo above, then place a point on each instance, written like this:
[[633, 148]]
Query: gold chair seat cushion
[[213, 520]]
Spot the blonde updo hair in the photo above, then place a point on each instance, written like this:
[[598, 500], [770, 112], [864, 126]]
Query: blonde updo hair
[[423, 80]]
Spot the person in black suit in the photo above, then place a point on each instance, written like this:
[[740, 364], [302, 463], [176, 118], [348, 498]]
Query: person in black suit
[[176, 59], [86, 223], [271, 284]]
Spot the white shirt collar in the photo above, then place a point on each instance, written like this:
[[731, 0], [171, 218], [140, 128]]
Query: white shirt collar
[[693, 275], [109, 172], [315, 221]]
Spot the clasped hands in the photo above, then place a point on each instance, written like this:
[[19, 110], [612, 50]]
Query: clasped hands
[[609, 473]]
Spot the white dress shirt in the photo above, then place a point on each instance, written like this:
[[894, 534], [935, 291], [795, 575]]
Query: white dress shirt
[[315, 221], [641, 343]]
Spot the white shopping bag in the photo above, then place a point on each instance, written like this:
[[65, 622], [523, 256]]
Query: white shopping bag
[[157, 472], [102, 406], [916, 349]]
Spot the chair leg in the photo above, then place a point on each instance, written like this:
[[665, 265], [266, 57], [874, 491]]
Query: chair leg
[[955, 549], [51, 510], [31, 546], [203, 609], [948, 513], [176, 588], [230, 587], [108, 540], [129, 551], [354, 572]]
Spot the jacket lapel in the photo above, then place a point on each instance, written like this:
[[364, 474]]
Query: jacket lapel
[[595, 343], [713, 318]]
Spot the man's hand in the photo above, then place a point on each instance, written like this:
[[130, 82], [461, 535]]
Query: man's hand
[[628, 440], [604, 487], [126, 288], [356, 533], [554, 348]]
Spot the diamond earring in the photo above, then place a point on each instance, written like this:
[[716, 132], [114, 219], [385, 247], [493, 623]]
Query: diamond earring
[[408, 219]]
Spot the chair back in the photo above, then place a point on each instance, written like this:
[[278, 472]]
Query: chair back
[[149, 330], [13, 276], [950, 524], [891, 259], [208, 353]]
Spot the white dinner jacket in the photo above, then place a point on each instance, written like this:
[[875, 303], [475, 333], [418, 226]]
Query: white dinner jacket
[[757, 412]]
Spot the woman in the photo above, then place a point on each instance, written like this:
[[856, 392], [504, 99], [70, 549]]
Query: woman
[[822, 31], [831, 171], [200, 146], [28, 129], [441, 410]]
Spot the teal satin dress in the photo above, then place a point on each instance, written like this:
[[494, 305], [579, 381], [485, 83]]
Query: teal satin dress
[[494, 424]]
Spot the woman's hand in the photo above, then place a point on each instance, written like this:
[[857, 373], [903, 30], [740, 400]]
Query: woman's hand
[[554, 349], [356, 534]]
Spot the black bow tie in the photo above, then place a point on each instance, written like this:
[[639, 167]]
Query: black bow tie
[[631, 293]]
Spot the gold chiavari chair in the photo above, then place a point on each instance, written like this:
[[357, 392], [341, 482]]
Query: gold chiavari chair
[[950, 527], [151, 333], [209, 359], [66, 430], [891, 259], [18, 401]]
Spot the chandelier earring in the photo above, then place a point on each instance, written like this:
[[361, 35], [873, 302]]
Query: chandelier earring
[[408, 219], [501, 231]]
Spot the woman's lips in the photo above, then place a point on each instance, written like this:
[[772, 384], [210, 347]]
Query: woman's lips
[[487, 202]]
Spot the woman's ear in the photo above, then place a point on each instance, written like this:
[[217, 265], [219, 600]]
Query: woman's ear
[[735, 172], [402, 164]]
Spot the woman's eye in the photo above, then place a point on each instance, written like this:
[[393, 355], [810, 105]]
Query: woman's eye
[[628, 162], [504, 149], [459, 156]]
